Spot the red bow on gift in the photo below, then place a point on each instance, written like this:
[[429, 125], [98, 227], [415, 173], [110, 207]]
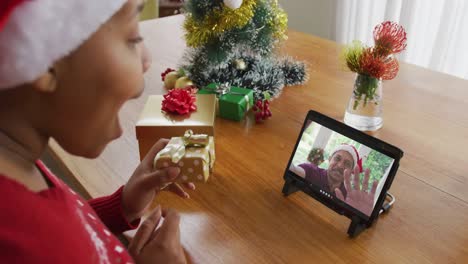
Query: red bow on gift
[[179, 101]]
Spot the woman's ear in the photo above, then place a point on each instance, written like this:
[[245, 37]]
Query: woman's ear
[[47, 82]]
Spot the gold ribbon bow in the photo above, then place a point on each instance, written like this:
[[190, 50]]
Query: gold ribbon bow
[[195, 140], [176, 148]]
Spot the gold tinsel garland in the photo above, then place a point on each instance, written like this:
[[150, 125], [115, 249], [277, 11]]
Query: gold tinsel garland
[[279, 21], [199, 33]]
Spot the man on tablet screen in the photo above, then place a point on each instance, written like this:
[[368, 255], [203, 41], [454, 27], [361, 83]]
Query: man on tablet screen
[[338, 180]]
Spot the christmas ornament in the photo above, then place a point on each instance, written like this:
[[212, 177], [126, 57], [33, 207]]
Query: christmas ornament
[[170, 80], [240, 64], [179, 101], [262, 110], [183, 82], [164, 73], [233, 4]]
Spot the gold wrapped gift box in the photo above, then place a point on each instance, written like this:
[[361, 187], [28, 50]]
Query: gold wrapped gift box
[[154, 123], [193, 154]]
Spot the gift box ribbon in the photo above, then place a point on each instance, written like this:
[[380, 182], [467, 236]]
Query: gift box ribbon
[[177, 150], [225, 88]]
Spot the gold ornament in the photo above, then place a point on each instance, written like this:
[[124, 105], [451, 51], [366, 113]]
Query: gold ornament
[[170, 80], [183, 82], [240, 64]]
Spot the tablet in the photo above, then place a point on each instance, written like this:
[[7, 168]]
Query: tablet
[[344, 168]]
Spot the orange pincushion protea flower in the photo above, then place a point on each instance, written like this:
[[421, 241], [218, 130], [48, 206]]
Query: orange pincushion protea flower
[[374, 65], [390, 38], [371, 65], [391, 68]]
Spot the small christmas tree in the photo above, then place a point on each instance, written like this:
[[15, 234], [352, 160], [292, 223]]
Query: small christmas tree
[[233, 41]]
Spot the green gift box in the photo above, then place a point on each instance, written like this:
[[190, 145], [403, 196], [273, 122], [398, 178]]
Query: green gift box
[[233, 102]]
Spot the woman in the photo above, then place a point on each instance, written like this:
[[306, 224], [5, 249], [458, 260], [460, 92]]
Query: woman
[[66, 69]]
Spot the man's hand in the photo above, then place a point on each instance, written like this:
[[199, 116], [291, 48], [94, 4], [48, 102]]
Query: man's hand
[[356, 197], [146, 182], [158, 245]]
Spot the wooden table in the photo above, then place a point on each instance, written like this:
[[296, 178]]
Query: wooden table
[[240, 216]]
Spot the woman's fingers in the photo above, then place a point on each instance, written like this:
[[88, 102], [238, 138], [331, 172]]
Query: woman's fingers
[[145, 232], [189, 185], [160, 178], [164, 179], [169, 232], [158, 146], [188, 256], [177, 189]]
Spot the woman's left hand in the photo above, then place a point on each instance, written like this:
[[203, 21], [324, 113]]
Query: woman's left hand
[[146, 182]]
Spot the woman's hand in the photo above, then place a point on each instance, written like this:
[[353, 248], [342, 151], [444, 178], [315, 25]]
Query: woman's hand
[[161, 245], [146, 182]]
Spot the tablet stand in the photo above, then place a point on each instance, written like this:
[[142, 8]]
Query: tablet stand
[[357, 224], [356, 227], [290, 187]]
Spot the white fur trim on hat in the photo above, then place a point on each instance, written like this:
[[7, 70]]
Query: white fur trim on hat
[[351, 150], [40, 32]]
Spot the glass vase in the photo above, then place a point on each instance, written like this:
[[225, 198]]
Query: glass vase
[[364, 111]]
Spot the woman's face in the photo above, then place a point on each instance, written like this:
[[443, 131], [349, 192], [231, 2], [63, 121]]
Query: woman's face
[[94, 82]]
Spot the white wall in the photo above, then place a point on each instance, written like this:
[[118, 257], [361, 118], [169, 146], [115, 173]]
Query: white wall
[[315, 17]]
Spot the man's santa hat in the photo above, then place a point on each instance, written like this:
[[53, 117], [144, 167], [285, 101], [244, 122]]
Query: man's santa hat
[[353, 152], [36, 33]]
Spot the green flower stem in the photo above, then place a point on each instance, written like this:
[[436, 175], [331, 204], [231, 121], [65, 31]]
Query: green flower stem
[[364, 86]]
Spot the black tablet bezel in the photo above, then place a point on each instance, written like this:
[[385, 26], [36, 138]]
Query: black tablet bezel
[[358, 136]]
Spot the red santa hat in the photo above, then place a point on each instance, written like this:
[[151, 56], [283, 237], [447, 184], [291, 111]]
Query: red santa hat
[[36, 33], [353, 152]]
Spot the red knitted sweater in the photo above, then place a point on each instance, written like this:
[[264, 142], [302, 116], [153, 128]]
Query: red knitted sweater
[[58, 226]]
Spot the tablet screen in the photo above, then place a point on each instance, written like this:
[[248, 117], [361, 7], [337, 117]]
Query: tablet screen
[[340, 167]]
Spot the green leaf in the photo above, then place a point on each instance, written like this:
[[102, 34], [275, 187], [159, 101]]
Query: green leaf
[[266, 95]]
